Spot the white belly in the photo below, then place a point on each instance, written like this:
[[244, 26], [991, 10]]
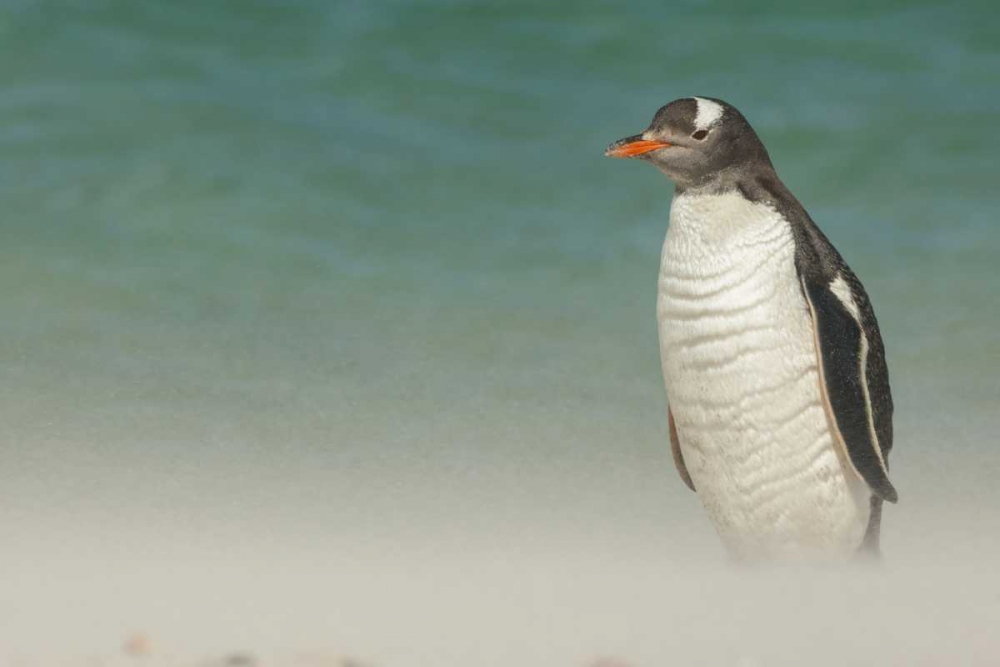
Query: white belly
[[739, 364]]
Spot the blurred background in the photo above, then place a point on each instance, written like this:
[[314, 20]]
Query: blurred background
[[326, 326]]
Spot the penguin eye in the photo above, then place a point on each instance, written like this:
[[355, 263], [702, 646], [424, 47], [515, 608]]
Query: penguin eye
[[700, 134]]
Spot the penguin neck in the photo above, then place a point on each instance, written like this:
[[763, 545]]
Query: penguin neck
[[738, 177], [711, 223]]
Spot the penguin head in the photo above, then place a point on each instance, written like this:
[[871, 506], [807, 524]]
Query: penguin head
[[696, 141]]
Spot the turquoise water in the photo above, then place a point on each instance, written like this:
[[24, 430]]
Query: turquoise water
[[289, 287]]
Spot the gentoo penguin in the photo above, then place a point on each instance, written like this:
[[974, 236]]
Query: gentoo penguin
[[779, 410]]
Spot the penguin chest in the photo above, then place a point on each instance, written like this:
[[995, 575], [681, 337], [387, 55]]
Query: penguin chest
[[739, 363]]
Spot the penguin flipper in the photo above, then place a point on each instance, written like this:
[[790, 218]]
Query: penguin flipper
[[842, 350], [675, 449]]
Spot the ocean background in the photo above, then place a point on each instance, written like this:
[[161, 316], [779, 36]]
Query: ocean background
[[325, 326]]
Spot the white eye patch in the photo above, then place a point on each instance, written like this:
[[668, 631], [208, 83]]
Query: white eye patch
[[709, 113]]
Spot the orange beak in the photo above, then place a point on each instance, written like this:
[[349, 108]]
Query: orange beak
[[633, 147]]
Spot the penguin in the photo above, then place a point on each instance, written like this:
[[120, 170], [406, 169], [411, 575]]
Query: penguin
[[779, 408]]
